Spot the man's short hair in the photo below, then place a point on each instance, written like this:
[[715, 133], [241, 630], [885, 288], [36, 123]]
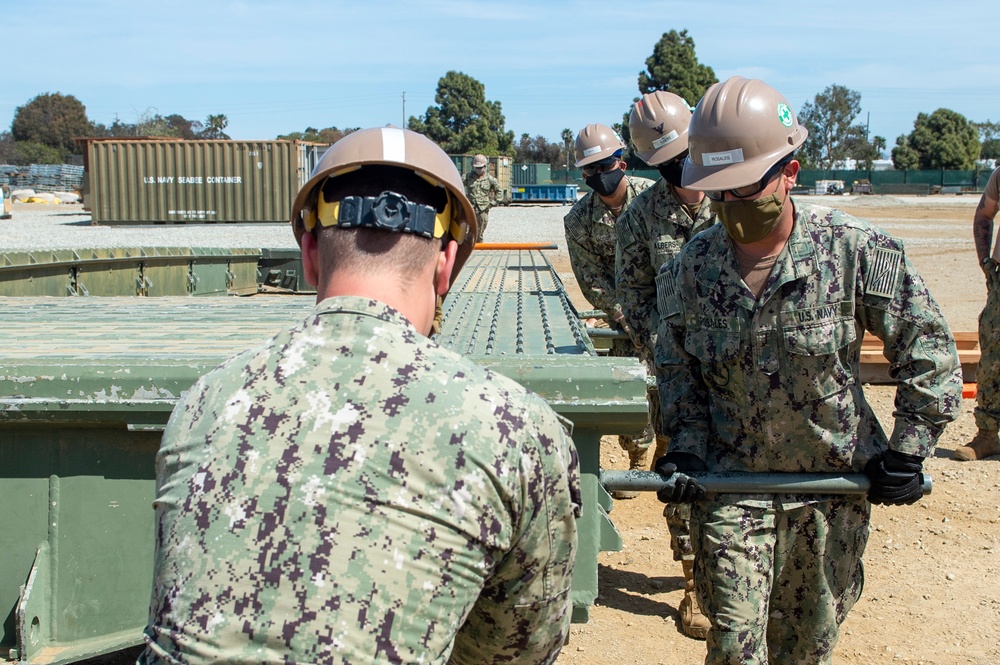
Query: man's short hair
[[373, 251]]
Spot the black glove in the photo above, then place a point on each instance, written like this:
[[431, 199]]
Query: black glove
[[685, 489], [895, 478]]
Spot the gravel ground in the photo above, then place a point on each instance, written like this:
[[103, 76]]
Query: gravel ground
[[68, 226]]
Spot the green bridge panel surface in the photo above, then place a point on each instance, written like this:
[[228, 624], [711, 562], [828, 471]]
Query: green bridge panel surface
[[87, 384]]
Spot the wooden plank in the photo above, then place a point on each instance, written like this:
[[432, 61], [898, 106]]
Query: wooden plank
[[875, 366]]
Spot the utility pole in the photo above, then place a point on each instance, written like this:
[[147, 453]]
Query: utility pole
[[404, 109]]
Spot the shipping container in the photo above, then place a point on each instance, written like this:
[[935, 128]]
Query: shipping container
[[532, 174], [545, 193], [500, 168], [165, 181]]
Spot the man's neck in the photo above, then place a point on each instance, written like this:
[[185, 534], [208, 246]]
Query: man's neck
[[688, 196]]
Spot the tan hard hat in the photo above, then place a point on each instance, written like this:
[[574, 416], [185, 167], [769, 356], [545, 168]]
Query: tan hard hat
[[596, 142], [740, 129], [391, 146], [658, 124], [479, 161]]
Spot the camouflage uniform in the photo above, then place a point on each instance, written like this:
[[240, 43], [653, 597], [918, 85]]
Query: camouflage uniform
[[591, 239], [650, 233], [350, 492], [770, 384], [484, 192], [988, 370]]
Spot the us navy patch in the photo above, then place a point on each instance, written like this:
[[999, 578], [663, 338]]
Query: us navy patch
[[883, 272]]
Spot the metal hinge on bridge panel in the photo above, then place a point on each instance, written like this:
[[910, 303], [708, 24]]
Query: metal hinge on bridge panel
[[75, 286], [142, 283]]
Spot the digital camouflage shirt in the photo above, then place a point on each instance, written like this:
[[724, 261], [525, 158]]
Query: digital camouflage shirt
[[484, 192], [650, 233], [591, 239], [772, 384], [351, 492]]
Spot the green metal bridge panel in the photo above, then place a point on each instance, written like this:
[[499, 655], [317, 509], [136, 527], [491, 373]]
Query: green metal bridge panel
[[152, 271], [87, 384]]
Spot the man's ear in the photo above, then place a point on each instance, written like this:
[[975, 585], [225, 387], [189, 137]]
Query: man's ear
[[445, 264], [791, 171], [310, 258]]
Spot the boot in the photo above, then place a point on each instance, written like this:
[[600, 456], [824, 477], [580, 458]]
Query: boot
[[636, 461], [693, 622], [984, 444]]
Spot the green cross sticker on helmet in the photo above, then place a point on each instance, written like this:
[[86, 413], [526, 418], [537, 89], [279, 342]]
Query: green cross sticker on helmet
[[785, 114]]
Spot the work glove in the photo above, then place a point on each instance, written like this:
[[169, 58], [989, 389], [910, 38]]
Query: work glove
[[895, 478], [684, 489]]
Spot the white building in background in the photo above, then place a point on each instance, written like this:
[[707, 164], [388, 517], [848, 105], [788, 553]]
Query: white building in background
[[852, 165]]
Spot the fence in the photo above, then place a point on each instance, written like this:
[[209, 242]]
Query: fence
[[892, 181], [938, 181]]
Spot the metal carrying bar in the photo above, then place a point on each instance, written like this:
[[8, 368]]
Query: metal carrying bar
[[748, 483]]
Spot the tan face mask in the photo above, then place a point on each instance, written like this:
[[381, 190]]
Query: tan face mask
[[749, 221]]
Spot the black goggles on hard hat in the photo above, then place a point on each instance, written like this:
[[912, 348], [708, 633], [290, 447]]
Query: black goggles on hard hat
[[603, 166], [753, 189]]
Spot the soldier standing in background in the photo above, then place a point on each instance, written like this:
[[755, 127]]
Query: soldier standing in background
[[757, 355], [650, 233], [349, 491], [987, 442], [591, 239], [484, 191]]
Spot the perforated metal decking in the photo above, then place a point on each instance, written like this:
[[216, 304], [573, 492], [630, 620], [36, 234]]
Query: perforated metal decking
[[87, 384]]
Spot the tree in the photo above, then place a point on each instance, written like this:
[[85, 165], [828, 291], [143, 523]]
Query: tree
[[32, 152], [328, 135], [7, 149], [674, 67], [859, 149], [464, 121], [832, 138], [214, 126], [942, 140], [567, 139], [53, 120], [989, 138], [904, 158], [538, 151], [184, 128], [150, 123]]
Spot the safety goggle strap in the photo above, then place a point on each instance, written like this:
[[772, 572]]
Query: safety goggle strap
[[387, 212]]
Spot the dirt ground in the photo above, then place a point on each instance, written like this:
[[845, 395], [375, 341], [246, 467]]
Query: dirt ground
[[932, 588]]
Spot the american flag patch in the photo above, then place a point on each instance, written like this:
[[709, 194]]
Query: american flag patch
[[883, 272], [665, 290]]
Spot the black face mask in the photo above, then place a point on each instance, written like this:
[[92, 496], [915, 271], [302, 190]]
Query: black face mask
[[671, 171], [605, 184]]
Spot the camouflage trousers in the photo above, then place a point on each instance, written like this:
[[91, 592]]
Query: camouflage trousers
[[988, 371], [482, 220], [777, 582]]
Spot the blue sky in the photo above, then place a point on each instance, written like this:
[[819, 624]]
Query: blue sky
[[276, 67]]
